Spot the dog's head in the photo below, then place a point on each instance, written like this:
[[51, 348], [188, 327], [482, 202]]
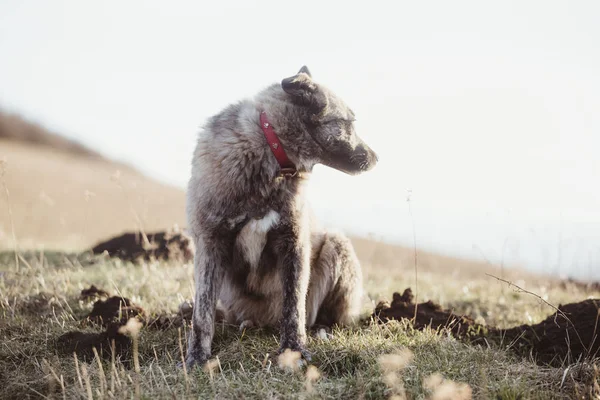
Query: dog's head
[[330, 124]]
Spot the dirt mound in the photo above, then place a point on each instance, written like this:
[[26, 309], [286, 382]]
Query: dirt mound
[[570, 334], [93, 292], [565, 336], [158, 245], [118, 310], [83, 343], [114, 310], [428, 314], [112, 314]]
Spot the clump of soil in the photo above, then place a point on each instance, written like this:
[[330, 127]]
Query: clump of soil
[[570, 334], [93, 292], [114, 309], [83, 343], [134, 246], [111, 314], [429, 314]]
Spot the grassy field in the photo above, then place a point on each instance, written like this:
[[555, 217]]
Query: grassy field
[[40, 301], [55, 194]]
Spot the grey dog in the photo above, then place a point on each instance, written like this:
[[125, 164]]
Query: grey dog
[[258, 250]]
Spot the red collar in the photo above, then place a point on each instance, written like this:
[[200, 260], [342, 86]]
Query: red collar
[[287, 168]]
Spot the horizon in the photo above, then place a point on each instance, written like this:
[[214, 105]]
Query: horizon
[[489, 132]]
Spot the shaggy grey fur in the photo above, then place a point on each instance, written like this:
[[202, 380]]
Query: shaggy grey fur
[[258, 249]]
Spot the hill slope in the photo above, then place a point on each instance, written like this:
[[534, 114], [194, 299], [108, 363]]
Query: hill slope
[[14, 127], [65, 196]]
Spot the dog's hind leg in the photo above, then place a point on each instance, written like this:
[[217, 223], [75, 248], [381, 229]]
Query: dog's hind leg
[[210, 261], [335, 291]]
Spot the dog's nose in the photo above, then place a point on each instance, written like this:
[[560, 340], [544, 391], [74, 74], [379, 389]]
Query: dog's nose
[[372, 159]]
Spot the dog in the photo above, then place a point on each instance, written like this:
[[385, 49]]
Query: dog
[[258, 248]]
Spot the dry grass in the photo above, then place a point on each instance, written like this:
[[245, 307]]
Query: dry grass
[[347, 366]]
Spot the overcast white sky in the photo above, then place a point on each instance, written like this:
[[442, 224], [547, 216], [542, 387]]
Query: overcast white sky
[[488, 112]]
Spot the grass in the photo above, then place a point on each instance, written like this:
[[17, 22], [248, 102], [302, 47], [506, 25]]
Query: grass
[[39, 301]]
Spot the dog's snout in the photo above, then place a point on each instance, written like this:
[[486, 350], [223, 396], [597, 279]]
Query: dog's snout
[[373, 157], [369, 157]]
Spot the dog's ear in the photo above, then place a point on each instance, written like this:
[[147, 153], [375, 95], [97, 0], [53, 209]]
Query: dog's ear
[[305, 92], [305, 70]]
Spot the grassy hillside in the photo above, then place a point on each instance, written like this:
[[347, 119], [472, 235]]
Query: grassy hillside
[[58, 195], [40, 302], [64, 196], [15, 128]]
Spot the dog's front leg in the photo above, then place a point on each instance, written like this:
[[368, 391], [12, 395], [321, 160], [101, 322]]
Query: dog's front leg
[[293, 257], [210, 261]]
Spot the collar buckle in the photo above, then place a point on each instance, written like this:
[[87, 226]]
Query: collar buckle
[[288, 172]]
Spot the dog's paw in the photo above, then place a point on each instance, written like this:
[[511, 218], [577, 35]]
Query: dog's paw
[[295, 351], [306, 355], [193, 361], [322, 334], [247, 324]]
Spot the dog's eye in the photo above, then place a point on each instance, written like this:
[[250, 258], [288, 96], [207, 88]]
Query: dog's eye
[[334, 135], [338, 121]]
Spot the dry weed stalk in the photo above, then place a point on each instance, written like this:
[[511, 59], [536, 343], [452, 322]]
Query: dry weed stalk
[[3, 164], [86, 378], [596, 384], [162, 373], [54, 379], [116, 177], [445, 389], [312, 375], [184, 366], [412, 220], [77, 370], [113, 367], [132, 329], [392, 365], [103, 384]]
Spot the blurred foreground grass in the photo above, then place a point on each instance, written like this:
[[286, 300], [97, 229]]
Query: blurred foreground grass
[[349, 365]]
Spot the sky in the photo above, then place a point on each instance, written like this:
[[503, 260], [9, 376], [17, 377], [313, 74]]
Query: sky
[[484, 115]]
